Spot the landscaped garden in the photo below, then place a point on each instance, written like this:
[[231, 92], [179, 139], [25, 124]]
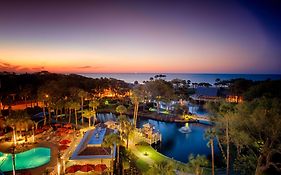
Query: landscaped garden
[[65, 110]]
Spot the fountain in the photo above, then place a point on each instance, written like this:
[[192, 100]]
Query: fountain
[[185, 129]]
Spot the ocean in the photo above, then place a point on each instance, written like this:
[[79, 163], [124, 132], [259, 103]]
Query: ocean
[[194, 78]]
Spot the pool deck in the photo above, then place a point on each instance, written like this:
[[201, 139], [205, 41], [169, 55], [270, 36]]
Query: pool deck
[[48, 140], [41, 169]]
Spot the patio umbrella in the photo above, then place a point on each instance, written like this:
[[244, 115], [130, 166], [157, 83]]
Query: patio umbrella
[[68, 125], [46, 127], [63, 147], [57, 124], [87, 168], [64, 142], [70, 131], [73, 168], [61, 129], [100, 167], [39, 130], [60, 133]]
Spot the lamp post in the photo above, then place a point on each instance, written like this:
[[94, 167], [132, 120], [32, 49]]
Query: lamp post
[[14, 136], [58, 168], [33, 137], [58, 164], [13, 160]]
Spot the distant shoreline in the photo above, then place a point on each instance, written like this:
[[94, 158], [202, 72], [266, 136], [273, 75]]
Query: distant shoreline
[[193, 77]]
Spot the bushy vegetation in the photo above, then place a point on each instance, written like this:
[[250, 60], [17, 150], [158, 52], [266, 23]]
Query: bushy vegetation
[[249, 133]]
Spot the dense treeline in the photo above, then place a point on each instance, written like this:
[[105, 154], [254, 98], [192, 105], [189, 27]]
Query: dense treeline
[[249, 133], [250, 89], [23, 86]]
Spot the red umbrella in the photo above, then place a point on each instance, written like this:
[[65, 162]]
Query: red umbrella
[[87, 168], [64, 142], [63, 147], [73, 168], [61, 129], [68, 125], [100, 167], [39, 130], [70, 131], [60, 134], [45, 127]]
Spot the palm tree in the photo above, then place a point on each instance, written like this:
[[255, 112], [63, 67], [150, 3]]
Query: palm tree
[[136, 98], [50, 105], [59, 107], [111, 140], [94, 104], [88, 114], [223, 113], [69, 106], [195, 164], [43, 96], [25, 93], [226, 113], [19, 121], [76, 106], [82, 94], [126, 128], [163, 167], [11, 123], [210, 134], [121, 109]]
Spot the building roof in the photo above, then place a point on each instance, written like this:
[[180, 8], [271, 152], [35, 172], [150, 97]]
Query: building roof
[[205, 94], [90, 145], [93, 150], [207, 91]]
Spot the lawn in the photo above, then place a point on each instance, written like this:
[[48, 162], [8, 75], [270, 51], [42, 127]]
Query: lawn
[[151, 153], [148, 156]]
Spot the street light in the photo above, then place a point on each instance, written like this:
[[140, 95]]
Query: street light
[[145, 153], [58, 168], [59, 158], [33, 137], [14, 134], [13, 160]]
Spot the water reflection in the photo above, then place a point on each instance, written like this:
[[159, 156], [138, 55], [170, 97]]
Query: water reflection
[[175, 144]]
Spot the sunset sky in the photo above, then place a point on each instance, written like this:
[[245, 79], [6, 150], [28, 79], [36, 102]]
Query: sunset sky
[[183, 36]]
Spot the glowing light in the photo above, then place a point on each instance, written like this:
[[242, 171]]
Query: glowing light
[[58, 168], [145, 153], [15, 139]]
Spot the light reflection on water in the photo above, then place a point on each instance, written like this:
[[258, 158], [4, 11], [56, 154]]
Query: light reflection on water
[[175, 144]]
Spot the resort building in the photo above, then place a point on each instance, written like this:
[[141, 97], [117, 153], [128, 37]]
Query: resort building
[[205, 94], [113, 93], [234, 99], [91, 151]]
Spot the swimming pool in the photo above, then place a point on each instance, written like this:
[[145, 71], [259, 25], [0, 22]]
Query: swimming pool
[[29, 159]]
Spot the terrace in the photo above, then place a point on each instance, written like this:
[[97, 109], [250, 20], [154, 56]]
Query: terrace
[[90, 149]]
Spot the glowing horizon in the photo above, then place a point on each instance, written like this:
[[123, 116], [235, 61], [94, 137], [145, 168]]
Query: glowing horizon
[[112, 38]]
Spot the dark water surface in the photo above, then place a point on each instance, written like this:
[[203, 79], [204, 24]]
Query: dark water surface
[[175, 144], [196, 78], [178, 145]]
